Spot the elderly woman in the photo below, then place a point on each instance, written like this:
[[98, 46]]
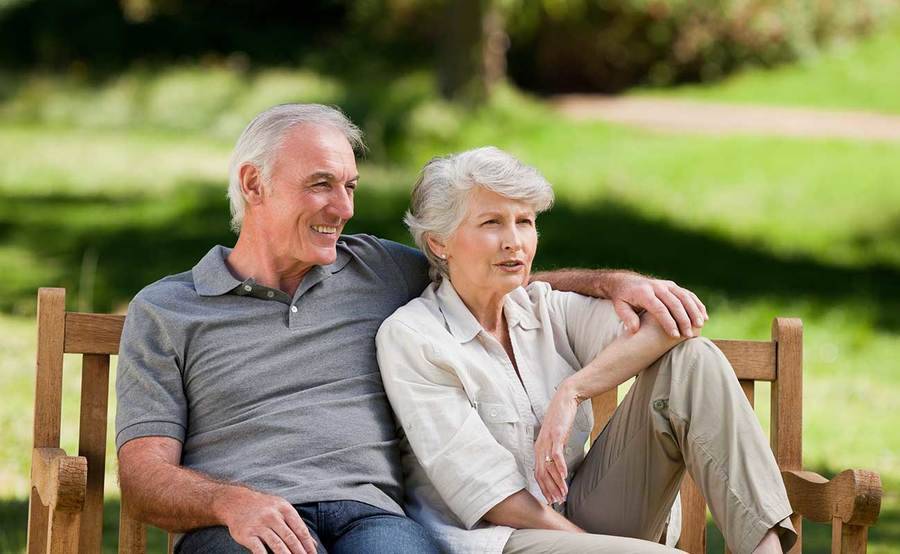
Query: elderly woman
[[490, 378]]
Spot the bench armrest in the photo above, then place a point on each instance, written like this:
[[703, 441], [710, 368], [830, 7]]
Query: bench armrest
[[853, 496], [60, 480]]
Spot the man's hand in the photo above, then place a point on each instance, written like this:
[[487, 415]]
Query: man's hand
[[676, 309], [256, 521]]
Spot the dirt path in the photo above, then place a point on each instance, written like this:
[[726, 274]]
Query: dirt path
[[730, 119]]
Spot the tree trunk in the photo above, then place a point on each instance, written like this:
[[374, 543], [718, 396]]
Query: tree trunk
[[472, 50]]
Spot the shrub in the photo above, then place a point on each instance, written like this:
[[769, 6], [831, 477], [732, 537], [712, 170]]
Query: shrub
[[608, 45]]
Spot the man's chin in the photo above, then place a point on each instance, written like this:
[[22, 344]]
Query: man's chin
[[326, 256]]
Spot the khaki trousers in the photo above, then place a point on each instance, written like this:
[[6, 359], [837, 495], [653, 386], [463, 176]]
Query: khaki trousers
[[543, 541], [686, 411]]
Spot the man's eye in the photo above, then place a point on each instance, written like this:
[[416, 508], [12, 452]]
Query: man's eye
[[351, 187], [526, 222], [490, 222]]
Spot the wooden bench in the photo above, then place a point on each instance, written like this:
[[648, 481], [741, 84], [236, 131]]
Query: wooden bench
[[66, 504]]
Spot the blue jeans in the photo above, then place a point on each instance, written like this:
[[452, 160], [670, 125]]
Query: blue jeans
[[339, 527]]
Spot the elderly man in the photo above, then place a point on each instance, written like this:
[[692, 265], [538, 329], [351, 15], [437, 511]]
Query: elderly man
[[251, 411]]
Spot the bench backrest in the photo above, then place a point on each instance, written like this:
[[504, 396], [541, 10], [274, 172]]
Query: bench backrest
[[96, 338]]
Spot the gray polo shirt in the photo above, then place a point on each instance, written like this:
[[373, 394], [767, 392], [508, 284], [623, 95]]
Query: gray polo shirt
[[281, 394]]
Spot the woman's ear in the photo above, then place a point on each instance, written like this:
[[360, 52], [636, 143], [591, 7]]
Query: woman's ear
[[436, 246]]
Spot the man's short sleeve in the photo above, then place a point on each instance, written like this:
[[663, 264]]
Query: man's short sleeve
[[149, 388], [411, 263]]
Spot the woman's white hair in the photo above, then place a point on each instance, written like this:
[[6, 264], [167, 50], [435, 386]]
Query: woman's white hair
[[440, 198], [261, 139]]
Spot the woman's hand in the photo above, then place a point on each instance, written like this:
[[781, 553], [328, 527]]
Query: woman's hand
[[549, 460]]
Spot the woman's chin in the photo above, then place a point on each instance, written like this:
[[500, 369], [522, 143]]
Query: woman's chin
[[509, 282]]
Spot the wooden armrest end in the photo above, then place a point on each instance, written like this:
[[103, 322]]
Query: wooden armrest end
[[853, 496], [61, 480]]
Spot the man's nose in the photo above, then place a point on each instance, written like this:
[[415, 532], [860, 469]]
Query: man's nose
[[342, 203]]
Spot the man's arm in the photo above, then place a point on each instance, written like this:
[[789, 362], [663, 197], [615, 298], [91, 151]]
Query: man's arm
[[675, 308], [169, 496]]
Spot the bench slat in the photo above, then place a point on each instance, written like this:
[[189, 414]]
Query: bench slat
[[751, 359], [93, 333], [92, 445]]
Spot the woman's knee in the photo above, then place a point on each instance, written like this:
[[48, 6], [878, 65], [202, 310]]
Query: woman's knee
[[698, 358]]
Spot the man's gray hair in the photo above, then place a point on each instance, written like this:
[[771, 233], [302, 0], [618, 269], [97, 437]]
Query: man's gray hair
[[440, 198], [262, 138]]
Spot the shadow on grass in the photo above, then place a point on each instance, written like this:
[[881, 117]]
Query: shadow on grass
[[136, 240], [14, 524]]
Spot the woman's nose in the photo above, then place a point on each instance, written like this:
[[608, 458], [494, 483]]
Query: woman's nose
[[512, 239]]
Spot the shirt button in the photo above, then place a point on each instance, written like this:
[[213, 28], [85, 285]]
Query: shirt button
[[270, 294], [568, 450], [248, 288], [294, 309], [493, 413]]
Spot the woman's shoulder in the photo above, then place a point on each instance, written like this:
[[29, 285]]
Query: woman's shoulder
[[542, 300]]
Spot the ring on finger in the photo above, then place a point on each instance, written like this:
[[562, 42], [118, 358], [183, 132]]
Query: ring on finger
[[549, 460]]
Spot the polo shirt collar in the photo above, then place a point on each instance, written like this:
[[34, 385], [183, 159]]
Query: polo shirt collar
[[213, 278], [464, 326], [211, 275]]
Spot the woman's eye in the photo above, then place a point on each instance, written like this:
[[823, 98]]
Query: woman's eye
[[528, 222], [490, 222]]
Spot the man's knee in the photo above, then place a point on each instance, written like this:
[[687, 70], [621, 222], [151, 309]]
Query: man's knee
[[389, 534], [209, 540]]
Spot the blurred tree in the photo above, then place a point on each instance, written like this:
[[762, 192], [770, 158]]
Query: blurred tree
[[472, 49]]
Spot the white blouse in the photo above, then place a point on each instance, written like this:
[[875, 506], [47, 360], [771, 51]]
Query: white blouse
[[470, 423]]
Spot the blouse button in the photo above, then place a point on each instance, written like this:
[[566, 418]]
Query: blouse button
[[294, 309]]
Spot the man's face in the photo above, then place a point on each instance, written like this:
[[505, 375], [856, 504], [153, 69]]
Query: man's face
[[310, 195]]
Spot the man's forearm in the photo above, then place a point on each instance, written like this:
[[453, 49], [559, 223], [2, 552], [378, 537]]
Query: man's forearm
[[589, 282], [175, 498]]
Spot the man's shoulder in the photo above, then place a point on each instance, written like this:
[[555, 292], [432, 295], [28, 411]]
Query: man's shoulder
[[421, 314], [169, 291], [362, 243]]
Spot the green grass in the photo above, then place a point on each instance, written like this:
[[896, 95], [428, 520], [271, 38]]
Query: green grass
[[863, 75]]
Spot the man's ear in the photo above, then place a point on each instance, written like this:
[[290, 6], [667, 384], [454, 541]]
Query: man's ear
[[251, 184], [436, 246]]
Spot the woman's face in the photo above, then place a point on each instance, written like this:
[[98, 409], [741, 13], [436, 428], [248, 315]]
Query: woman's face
[[494, 245]]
